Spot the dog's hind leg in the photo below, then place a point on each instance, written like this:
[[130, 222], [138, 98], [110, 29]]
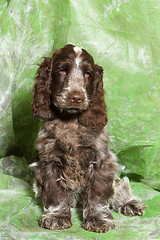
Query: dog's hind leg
[[123, 201]]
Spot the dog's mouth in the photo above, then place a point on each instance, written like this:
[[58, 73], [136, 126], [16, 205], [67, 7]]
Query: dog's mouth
[[73, 110], [70, 109]]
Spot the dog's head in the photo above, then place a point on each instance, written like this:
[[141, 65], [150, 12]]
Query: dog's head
[[70, 82]]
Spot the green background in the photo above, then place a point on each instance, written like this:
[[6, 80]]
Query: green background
[[124, 38]]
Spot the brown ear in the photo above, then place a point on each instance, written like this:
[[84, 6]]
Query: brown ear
[[96, 116], [42, 91]]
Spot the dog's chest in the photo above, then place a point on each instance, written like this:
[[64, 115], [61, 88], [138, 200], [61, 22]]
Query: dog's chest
[[67, 135], [77, 148]]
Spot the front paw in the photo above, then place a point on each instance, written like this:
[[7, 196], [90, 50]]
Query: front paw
[[133, 208], [98, 225], [55, 222]]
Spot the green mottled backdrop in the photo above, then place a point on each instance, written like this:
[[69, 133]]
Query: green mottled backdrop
[[124, 38]]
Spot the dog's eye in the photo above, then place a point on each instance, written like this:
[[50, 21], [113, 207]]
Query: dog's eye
[[87, 75], [62, 72]]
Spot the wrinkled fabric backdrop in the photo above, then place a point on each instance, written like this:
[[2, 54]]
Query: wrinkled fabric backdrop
[[124, 38]]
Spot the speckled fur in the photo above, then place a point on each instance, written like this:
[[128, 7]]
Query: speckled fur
[[74, 156]]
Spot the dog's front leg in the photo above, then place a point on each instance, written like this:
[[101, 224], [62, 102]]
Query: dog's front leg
[[55, 197], [96, 214]]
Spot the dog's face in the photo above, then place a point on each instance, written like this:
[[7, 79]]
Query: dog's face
[[73, 74], [70, 82]]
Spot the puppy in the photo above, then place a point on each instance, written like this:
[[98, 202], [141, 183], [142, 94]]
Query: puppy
[[74, 154]]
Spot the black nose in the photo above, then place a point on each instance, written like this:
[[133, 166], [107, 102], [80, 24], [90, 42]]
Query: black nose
[[76, 97]]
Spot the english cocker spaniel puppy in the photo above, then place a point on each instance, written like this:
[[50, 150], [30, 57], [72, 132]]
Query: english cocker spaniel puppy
[[74, 156]]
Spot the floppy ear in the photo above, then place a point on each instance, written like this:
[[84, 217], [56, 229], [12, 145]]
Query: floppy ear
[[96, 115], [42, 91]]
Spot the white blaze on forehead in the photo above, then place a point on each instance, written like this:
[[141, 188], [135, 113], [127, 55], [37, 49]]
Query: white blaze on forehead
[[78, 52]]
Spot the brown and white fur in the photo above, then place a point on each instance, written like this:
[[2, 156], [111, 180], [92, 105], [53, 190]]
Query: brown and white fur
[[72, 143]]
